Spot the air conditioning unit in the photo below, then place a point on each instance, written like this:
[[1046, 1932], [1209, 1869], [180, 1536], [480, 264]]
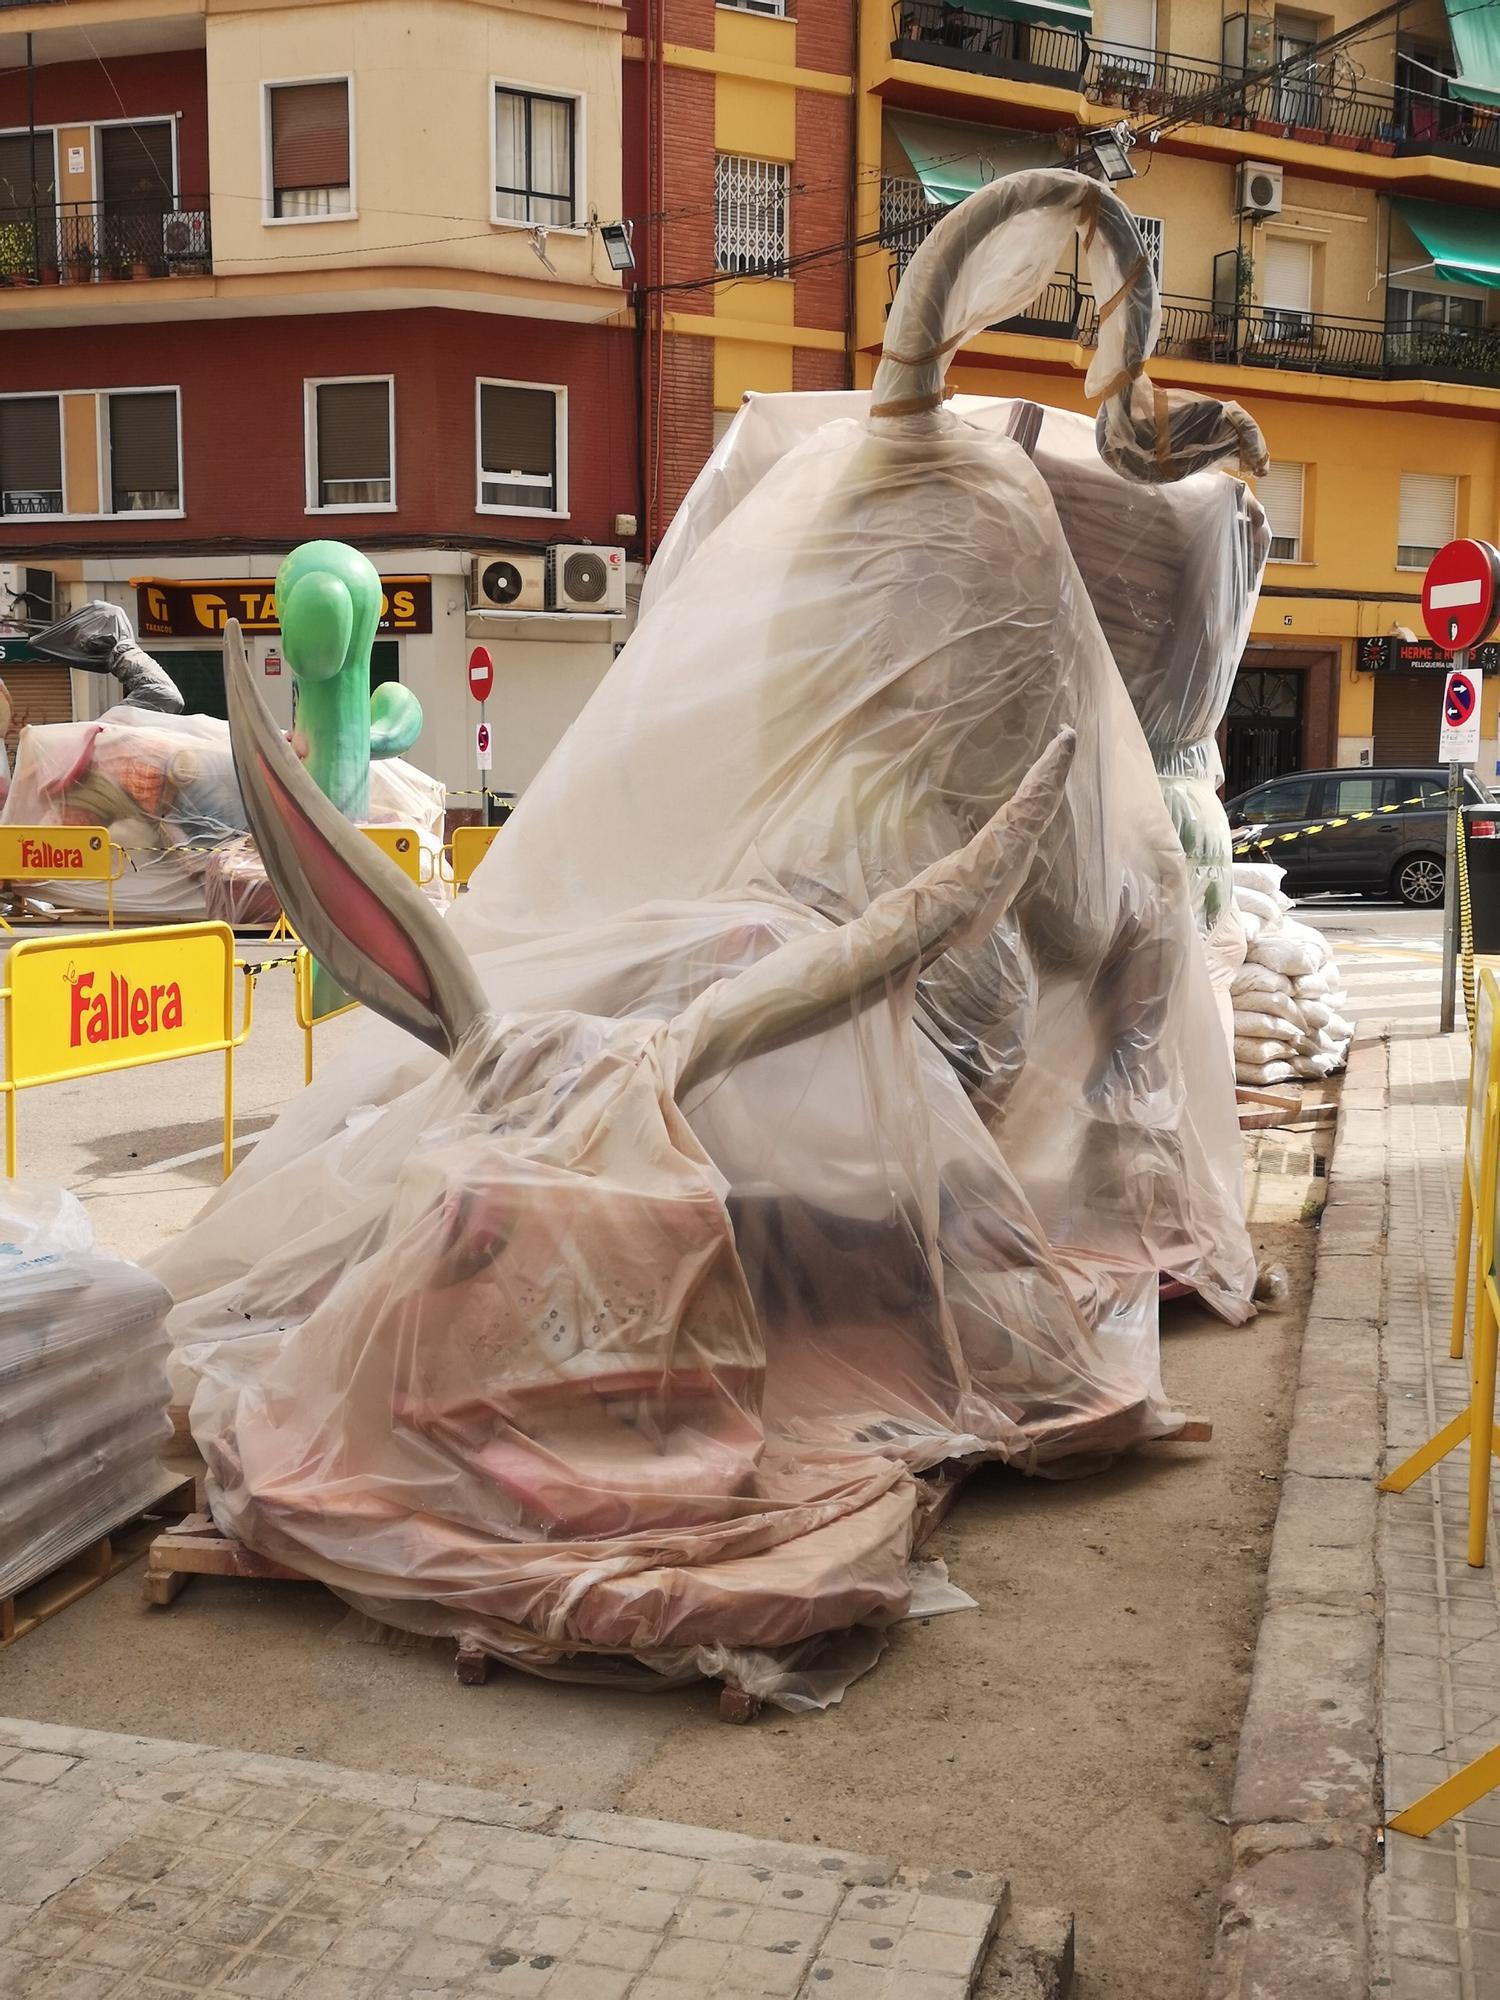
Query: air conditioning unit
[[1260, 188], [184, 235], [583, 578], [509, 583]]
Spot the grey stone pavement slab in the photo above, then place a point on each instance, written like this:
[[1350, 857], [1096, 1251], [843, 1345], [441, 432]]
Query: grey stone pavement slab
[[1377, 1668], [131, 1867]]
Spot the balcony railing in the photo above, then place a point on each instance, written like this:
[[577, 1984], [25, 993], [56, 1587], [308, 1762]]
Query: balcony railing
[[932, 32], [80, 243]]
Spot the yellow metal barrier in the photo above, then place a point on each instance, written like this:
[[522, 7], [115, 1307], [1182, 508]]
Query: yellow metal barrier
[[302, 1007], [1477, 1236], [401, 845], [464, 852], [77, 1006], [61, 854]]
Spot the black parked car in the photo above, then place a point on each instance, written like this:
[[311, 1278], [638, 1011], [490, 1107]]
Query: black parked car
[[1394, 853]]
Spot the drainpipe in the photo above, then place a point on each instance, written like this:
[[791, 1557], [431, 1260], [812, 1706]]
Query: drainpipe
[[31, 154]]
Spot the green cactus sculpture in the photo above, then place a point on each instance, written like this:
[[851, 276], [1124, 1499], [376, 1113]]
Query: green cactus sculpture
[[328, 605]]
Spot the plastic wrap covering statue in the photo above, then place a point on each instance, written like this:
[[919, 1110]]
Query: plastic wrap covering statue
[[6, 712], [164, 786], [619, 1318], [102, 639], [83, 1384]]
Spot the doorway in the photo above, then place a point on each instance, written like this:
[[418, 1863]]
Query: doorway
[[1262, 727]]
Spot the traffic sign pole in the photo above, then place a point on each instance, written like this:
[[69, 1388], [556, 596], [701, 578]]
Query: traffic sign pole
[[1450, 882]]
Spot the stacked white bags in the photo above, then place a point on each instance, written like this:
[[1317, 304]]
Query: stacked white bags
[[83, 1384], [1288, 996]]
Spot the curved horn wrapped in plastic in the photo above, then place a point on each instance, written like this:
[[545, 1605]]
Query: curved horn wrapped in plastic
[[991, 256]]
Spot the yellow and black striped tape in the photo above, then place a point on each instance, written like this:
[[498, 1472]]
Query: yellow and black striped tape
[[1265, 840]]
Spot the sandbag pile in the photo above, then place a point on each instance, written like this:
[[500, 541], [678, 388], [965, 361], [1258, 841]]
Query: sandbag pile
[[1288, 995], [83, 1385]]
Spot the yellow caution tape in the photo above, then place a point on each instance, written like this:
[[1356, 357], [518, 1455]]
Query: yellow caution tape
[[1265, 840]]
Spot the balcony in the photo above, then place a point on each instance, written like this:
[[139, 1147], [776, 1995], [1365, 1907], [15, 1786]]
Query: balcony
[[94, 243], [1323, 106], [930, 31]]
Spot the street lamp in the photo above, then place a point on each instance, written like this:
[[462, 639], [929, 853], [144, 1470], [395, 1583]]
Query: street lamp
[[615, 237], [1111, 153]]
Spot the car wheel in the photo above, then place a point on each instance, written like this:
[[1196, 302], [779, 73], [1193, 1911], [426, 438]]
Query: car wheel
[[1420, 881]]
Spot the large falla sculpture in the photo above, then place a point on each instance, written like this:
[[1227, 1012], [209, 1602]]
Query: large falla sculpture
[[809, 1093]]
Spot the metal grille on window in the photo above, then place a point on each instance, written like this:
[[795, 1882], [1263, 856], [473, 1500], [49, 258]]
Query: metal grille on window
[[750, 199], [310, 148], [906, 218], [1429, 509], [143, 453], [30, 455], [1280, 493], [534, 156], [517, 447], [1153, 235], [354, 444]]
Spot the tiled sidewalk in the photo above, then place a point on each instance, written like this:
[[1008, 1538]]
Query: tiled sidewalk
[[130, 1867], [1440, 1897]]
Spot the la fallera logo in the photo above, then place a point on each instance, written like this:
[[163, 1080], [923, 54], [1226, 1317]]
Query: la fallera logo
[[120, 1011]]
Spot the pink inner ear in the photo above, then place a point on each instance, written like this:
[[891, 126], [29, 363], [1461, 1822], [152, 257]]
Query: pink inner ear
[[356, 910]]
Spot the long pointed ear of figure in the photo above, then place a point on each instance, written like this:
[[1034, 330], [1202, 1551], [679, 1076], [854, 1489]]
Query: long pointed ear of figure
[[356, 912], [802, 986]]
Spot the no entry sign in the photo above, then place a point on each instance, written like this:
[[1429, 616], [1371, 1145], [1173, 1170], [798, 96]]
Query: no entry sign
[[482, 745], [1458, 736], [481, 673], [1461, 594]]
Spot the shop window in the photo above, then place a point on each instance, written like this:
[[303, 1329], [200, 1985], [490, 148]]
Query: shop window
[[31, 480], [536, 150], [351, 445], [1429, 513], [145, 459], [750, 207], [308, 149], [523, 451], [1280, 493]]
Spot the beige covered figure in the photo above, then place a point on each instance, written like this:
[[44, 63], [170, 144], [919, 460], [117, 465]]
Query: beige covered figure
[[809, 1099]]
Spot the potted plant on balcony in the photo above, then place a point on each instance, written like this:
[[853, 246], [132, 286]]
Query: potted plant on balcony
[[1310, 135], [80, 263], [1384, 141], [15, 254]]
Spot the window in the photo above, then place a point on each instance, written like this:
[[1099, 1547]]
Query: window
[[1153, 235], [351, 444], [722, 420], [749, 214], [1280, 493], [1288, 288], [309, 150], [1418, 312], [774, 7], [536, 140], [523, 451], [31, 455], [1429, 511], [1361, 794], [145, 467], [1292, 799], [907, 218]]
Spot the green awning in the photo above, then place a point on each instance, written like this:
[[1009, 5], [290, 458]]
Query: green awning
[[1464, 243], [1475, 28], [952, 160], [1076, 15]]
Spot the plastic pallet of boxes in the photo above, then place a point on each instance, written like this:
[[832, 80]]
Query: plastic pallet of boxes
[[83, 1385]]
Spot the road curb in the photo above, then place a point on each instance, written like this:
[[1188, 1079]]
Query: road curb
[[1305, 1811]]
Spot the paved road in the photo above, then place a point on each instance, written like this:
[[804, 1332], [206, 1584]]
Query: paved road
[[1391, 957]]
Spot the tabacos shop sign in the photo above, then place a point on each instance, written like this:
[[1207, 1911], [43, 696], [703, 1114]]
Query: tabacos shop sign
[[169, 609]]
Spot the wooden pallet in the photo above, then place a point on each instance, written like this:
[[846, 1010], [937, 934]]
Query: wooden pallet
[[97, 1563]]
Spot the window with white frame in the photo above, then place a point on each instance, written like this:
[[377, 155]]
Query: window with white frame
[[1280, 493], [145, 451], [776, 8], [1153, 235], [31, 475], [536, 158], [523, 448], [1428, 517], [351, 444], [308, 152], [750, 211]]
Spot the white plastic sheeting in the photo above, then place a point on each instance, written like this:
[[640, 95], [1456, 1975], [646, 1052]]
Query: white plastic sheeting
[[83, 1384], [164, 786], [545, 1335]]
